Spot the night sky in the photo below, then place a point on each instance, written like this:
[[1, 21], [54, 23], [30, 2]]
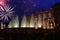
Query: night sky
[[28, 7]]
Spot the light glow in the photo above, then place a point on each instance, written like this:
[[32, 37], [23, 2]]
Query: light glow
[[16, 22], [10, 24], [32, 21], [3, 2], [24, 22], [2, 25], [39, 21]]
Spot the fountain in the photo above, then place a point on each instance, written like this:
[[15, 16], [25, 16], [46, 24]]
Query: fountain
[[24, 22], [39, 21], [14, 23], [32, 21]]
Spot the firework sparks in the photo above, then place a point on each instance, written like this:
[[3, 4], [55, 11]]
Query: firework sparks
[[3, 2], [6, 13]]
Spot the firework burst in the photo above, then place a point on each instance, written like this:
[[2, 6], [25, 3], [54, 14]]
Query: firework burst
[[3, 2], [6, 13]]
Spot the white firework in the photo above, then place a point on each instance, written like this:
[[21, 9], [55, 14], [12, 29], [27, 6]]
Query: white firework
[[6, 13]]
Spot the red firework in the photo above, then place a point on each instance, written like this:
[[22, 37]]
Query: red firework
[[3, 2]]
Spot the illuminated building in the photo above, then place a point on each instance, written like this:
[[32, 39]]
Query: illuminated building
[[51, 20]]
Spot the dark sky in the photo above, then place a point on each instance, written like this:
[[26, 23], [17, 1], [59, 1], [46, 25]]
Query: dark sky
[[28, 7]]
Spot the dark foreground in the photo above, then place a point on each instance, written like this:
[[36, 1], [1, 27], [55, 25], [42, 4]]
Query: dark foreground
[[29, 34]]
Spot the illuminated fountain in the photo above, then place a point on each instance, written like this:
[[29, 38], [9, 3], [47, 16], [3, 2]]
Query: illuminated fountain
[[10, 24], [27, 24], [14, 23], [35, 22], [39, 21], [32, 21], [2, 26], [28, 21], [24, 22]]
